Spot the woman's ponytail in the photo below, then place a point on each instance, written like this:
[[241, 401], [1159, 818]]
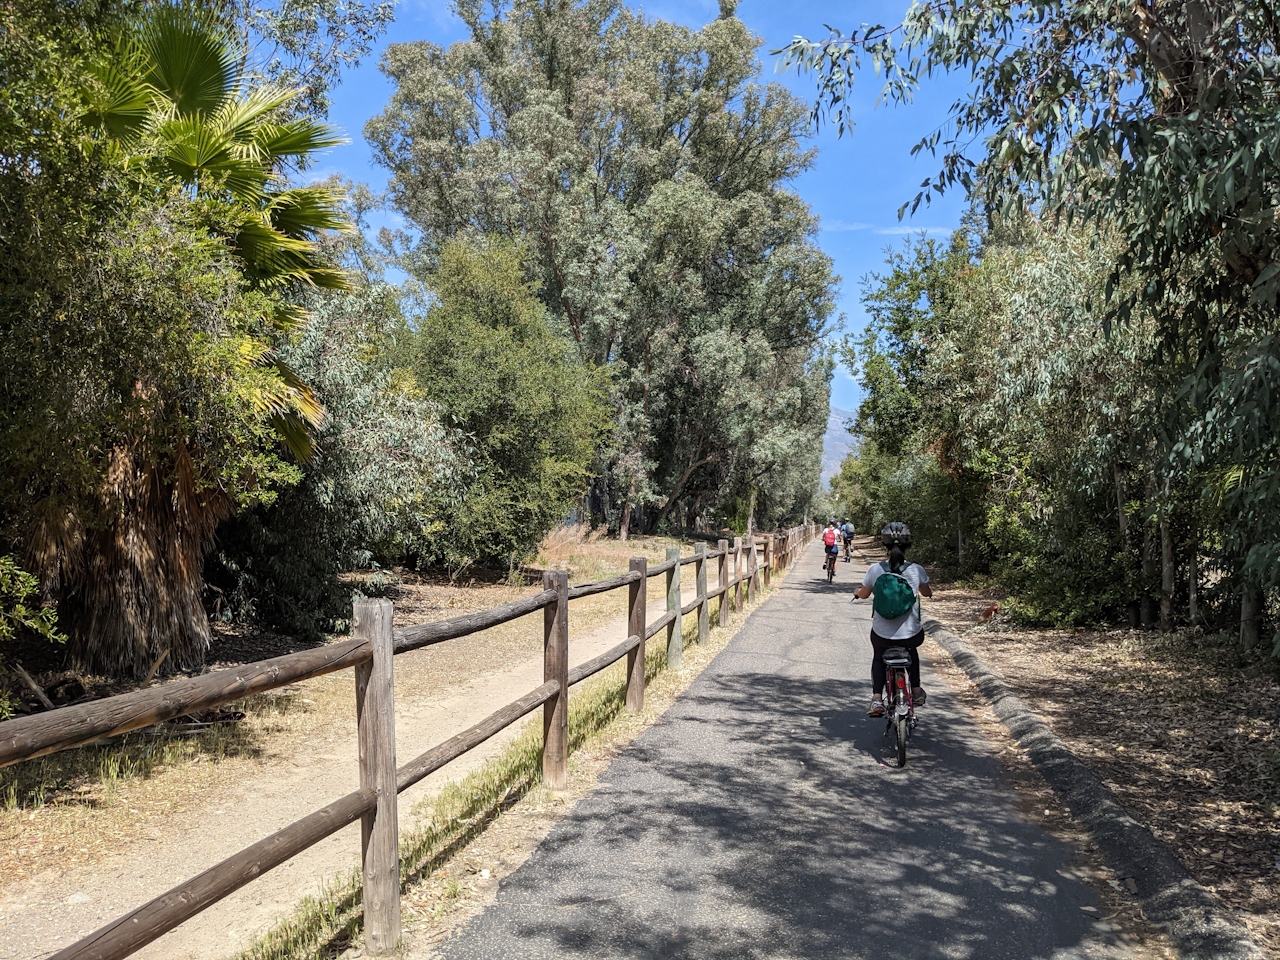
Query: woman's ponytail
[[897, 558], [896, 535]]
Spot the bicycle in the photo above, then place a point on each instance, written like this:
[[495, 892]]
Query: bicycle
[[900, 708], [848, 549], [830, 565]]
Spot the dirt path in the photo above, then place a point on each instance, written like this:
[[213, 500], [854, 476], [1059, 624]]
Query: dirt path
[[52, 908]]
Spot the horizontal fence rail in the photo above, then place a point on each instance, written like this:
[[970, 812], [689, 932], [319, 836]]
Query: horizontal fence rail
[[43, 733], [370, 652], [603, 586], [425, 634]]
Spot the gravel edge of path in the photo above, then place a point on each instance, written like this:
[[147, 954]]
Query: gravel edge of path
[[1195, 920]]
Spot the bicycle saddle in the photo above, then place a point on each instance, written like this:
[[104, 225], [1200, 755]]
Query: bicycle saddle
[[897, 657]]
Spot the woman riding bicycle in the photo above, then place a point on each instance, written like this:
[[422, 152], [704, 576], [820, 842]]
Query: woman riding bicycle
[[830, 551], [901, 631]]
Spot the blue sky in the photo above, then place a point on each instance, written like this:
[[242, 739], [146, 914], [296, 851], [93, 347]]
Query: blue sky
[[856, 186]]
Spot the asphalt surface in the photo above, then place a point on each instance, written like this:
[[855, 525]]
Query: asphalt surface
[[762, 817]]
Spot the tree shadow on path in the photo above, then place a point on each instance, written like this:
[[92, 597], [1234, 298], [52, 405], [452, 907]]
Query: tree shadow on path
[[759, 820]]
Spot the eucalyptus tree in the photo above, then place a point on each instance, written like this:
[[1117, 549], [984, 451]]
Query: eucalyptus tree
[[305, 44], [387, 478], [647, 170], [998, 411], [1157, 120]]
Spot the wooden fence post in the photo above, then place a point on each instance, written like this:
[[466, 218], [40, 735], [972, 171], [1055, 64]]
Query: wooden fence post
[[723, 547], [555, 666], [737, 574], [768, 558], [376, 733], [704, 604], [675, 634], [637, 623], [753, 585]]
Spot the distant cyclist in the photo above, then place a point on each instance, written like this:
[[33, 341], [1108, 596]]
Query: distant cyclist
[[847, 531], [830, 536], [891, 580]]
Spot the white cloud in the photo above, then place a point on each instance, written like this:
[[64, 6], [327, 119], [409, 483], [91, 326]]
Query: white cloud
[[912, 231], [440, 15], [840, 226], [843, 226]]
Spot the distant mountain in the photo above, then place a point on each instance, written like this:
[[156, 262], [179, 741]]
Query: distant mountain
[[836, 443]]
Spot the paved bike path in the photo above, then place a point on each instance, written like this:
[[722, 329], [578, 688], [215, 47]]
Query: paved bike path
[[758, 820]]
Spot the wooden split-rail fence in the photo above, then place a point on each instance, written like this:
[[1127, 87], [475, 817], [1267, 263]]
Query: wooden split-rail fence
[[370, 652]]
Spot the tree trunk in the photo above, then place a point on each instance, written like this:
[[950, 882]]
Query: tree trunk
[[598, 499], [133, 590], [1146, 605], [624, 525], [1167, 573], [1126, 544], [1193, 585], [1250, 618]]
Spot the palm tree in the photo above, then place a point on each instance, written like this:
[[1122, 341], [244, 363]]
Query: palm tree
[[172, 101]]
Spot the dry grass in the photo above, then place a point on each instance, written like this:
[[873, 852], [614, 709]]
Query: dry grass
[[1186, 737], [78, 806]]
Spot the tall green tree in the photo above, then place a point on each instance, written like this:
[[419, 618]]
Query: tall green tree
[[648, 170], [529, 412], [386, 480]]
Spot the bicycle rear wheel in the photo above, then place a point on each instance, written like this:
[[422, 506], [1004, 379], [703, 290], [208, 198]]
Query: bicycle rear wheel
[[831, 569], [903, 732]]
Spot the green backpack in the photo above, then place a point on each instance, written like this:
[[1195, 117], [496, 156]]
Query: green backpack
[[893, 596]]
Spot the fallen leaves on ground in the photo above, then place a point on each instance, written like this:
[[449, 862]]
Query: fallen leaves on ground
[[1184, 733]]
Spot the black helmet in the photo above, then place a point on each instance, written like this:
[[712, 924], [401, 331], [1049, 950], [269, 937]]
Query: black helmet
[[896, 532]]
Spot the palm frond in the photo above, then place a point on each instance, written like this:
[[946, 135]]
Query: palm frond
[[296, 412], [274, 259], [194, 61], [239, 118], [297, 138], [305, 211], [196, 151], [118, 99]]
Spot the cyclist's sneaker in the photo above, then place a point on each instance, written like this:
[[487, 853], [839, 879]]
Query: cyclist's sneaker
[[918, 697], [877, 709]]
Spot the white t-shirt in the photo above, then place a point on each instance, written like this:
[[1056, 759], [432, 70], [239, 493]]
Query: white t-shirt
[[908, 625]]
